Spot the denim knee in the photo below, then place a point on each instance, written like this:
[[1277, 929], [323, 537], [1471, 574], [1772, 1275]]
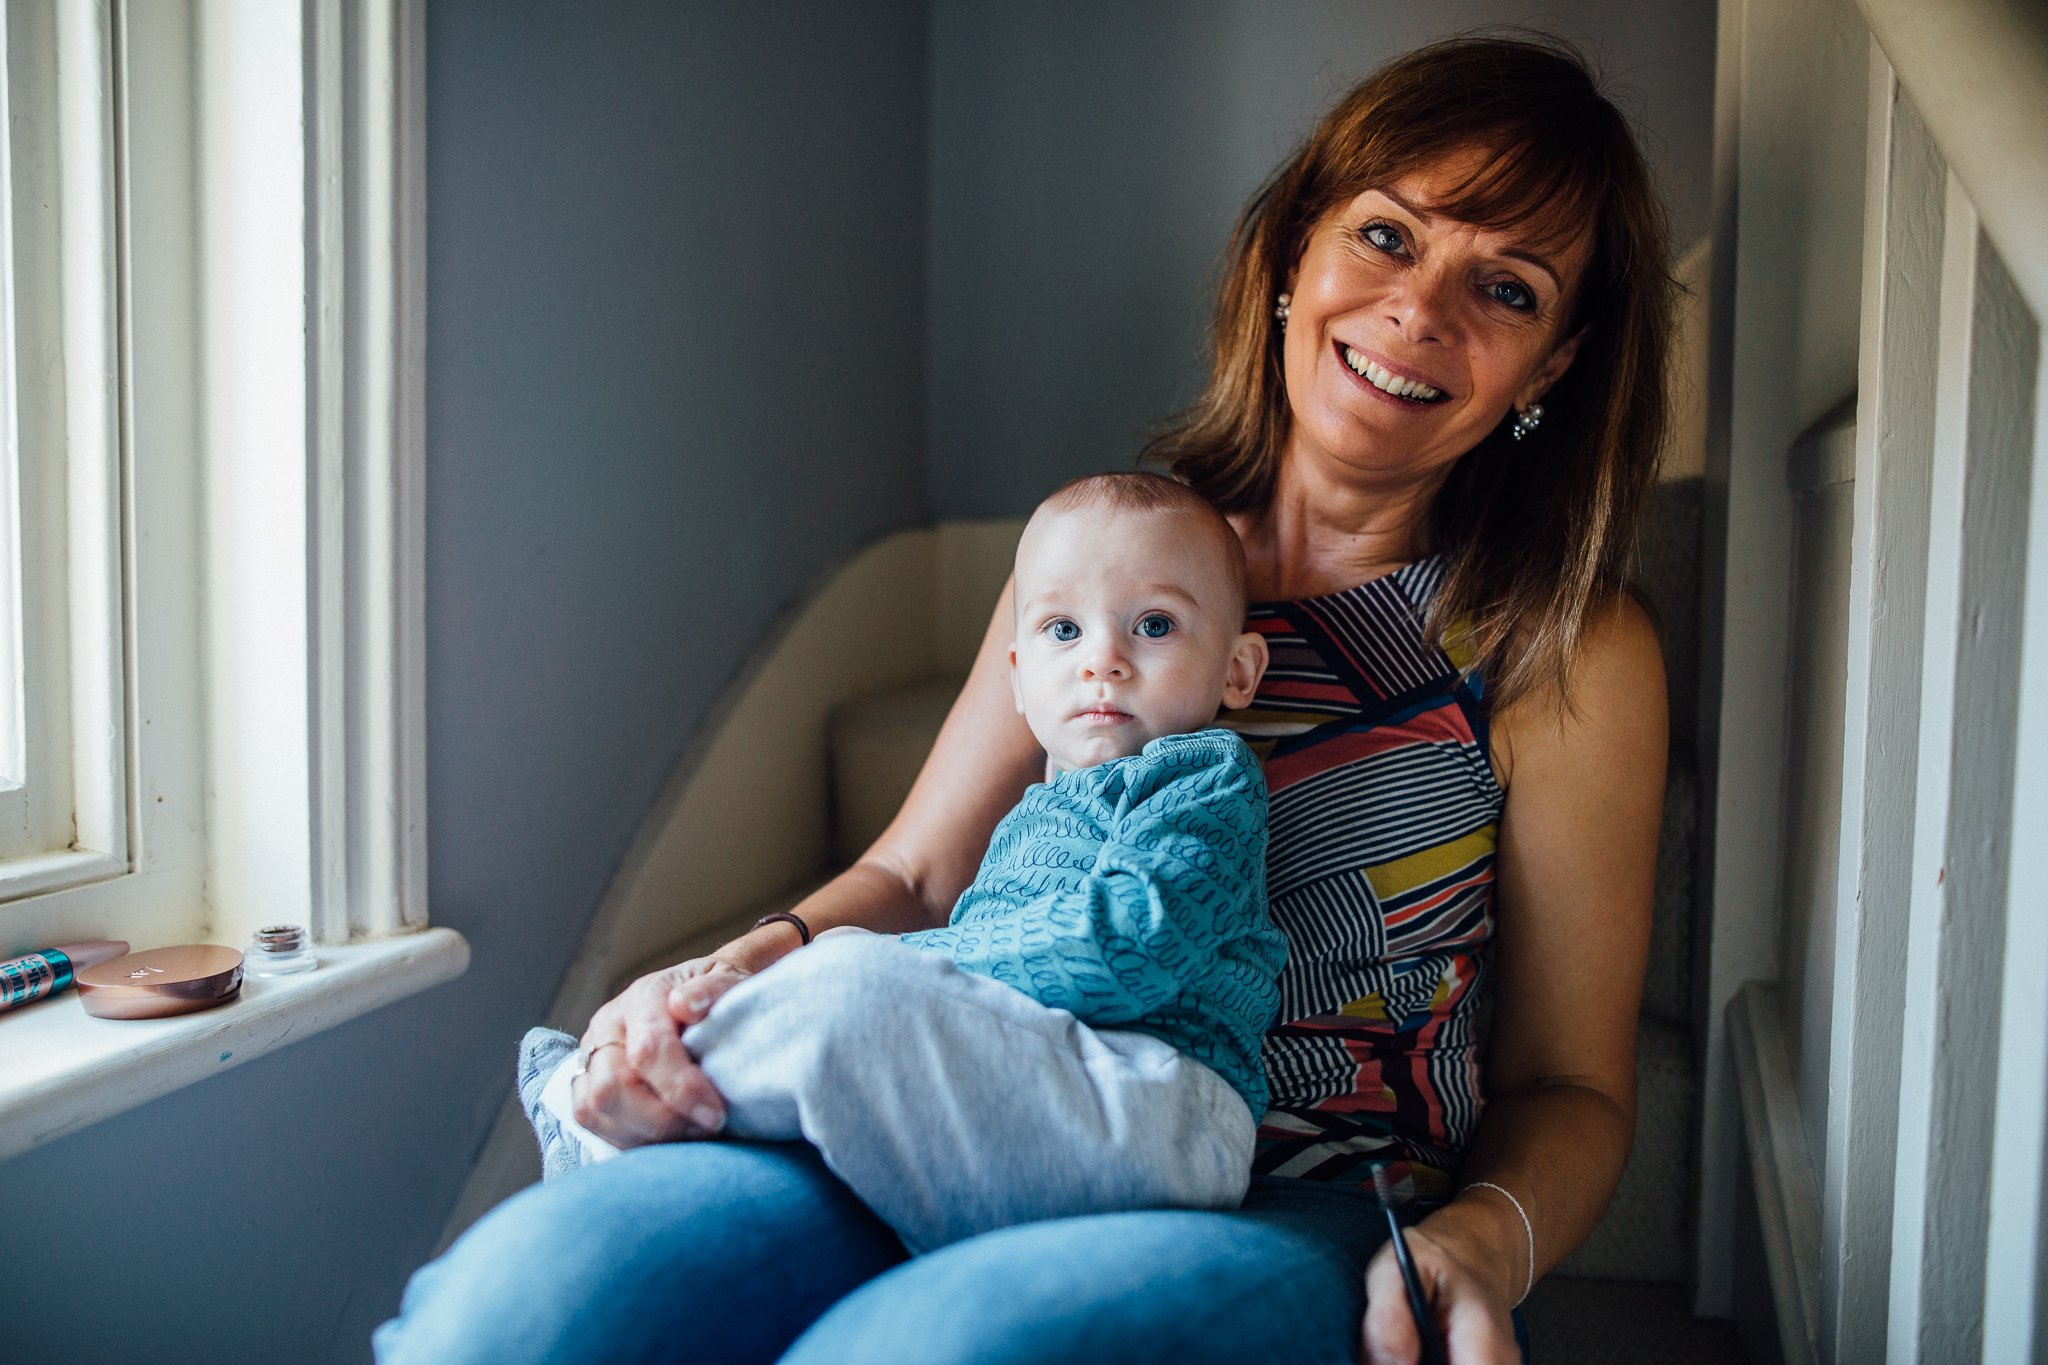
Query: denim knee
[[736, 1246]]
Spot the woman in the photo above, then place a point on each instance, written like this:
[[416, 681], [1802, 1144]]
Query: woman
[[1432, 417]]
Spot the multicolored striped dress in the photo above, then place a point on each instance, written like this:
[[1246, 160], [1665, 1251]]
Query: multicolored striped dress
[[1384, 816]]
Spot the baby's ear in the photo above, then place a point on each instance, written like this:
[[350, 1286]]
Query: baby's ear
[[1248, 658], [1016, 688]]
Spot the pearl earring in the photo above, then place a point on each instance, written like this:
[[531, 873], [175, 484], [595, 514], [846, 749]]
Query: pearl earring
[[1527, 420], [1282, 308]]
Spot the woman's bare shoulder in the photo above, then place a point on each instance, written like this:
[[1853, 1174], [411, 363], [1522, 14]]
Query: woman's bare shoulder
[[1614, 704]]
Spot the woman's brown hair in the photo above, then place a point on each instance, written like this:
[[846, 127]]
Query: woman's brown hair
[[1535, 533]]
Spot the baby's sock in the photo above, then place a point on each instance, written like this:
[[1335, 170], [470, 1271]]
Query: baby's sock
[[547, 1065]]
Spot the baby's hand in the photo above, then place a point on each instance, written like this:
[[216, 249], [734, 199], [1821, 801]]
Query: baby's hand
[[640, 1085]]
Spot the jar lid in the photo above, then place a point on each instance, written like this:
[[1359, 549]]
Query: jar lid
[[161, 981]]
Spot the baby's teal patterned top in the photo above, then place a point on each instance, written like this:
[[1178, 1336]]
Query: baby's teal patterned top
[[1133, 895]]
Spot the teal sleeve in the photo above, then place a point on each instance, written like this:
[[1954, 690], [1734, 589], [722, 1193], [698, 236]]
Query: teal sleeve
[[1167, 898]]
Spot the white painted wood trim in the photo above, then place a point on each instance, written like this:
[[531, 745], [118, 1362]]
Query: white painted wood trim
[[1956, 930], [1756, 395], [61, 1069], [17, 560], [276, 422], [260, 493], [315, 293], [1978, 72], [1825, 457], [92, 395], [2016, 1274], [1788, 1204], [365, 355], [1720, 1122], [64, 420], [1881, 716]]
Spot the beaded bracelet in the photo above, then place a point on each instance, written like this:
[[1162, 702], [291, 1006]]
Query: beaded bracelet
[[1528, 1231]]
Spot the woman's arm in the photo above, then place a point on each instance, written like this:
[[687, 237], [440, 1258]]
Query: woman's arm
[[980, 765], [648, 1089], [1576, 873]]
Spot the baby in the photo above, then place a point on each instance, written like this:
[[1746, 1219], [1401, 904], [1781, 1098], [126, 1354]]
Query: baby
[[1083, 1036]]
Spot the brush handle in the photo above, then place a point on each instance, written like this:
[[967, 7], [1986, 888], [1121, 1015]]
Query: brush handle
[[1418, 1305]]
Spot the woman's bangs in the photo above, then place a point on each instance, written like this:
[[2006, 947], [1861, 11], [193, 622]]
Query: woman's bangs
[[1545, 194]]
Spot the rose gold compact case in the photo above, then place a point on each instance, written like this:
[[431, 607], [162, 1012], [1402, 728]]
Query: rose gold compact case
[[161, 981]]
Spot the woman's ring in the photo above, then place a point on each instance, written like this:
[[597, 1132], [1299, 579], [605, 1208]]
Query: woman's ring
[[591, 1055]]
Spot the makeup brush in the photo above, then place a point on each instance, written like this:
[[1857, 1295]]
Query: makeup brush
[[1425, 1323]]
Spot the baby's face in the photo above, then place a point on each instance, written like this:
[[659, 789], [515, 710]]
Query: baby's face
[[1128, 629]]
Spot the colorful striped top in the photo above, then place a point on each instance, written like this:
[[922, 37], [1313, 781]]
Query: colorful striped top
[[1384, 815]]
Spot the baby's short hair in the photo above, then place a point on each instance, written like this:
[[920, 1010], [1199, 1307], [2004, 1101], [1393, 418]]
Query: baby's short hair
[[1132, 490]]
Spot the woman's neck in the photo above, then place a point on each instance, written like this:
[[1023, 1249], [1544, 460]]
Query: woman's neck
[[1319, 535]]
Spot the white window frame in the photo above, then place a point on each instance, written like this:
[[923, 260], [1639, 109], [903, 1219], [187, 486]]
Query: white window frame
[[66, 817], [260, 277]]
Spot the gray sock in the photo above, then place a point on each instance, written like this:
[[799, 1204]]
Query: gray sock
[[540, 1052]]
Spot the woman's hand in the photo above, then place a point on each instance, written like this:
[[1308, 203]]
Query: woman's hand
[[1473, 1319], [640, 1085]]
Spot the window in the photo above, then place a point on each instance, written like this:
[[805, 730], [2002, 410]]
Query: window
[[211, 652], [64, 769]]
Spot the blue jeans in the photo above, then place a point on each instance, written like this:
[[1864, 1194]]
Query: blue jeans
[[729, 1251]]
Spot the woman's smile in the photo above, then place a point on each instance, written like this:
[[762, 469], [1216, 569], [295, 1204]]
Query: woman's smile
[[1398, 383]]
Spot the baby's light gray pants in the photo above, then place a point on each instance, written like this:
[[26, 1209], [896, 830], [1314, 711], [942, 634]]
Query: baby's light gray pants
[[953, 1104]]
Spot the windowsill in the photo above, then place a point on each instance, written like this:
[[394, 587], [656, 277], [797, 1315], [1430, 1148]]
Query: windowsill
[[61, 1069]]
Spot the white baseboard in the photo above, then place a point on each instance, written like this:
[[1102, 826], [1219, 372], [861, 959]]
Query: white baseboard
[[1787, 1196]]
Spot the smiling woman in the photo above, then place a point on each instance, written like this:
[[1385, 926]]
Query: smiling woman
[[1474, 220], [1462, 730]]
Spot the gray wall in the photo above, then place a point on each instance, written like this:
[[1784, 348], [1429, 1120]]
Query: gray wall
[[675, 264], [678, 317], [1088, 161]]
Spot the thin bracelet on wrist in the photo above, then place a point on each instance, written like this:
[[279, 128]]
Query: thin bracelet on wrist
[[1528, 1230], [785, 917]]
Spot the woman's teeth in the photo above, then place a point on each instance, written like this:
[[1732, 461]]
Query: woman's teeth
[[1388, 382]]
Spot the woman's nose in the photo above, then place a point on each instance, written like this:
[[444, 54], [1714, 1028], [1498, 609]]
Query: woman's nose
[[1420, 306]]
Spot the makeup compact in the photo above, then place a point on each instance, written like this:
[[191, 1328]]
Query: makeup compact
[[161, 981]]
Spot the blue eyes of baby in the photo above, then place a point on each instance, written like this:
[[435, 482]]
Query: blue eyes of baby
[[1154, 627]]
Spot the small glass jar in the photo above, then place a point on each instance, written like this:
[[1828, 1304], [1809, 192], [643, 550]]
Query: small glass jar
[[280, 950]]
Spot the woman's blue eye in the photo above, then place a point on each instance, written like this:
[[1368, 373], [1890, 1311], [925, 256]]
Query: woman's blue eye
[[1382, 235], [1063, 630], [1512, 294], [1155, 626]]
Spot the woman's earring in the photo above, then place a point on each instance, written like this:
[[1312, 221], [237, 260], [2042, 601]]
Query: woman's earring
[[1527, 420], [1282, 308]]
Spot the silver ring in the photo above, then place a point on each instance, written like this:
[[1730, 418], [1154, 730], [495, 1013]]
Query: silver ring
[[591, 1055]]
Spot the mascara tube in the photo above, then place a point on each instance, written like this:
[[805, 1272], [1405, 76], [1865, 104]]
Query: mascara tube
[[35, 975]]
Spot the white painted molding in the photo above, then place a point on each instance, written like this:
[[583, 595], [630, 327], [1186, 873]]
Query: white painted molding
[[61, 1069], [1978, 72], [266, 160], [312, 120], [365, 366], [1790, 111], [69, 824], [1881, 716], [1955, 941], [2015, 1311], [1826, 455], [1788, 1204]]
